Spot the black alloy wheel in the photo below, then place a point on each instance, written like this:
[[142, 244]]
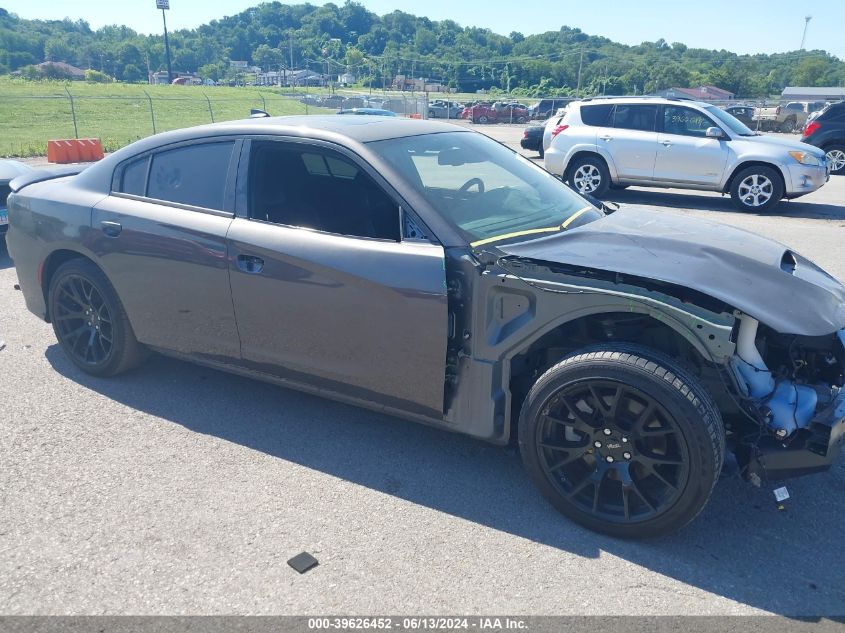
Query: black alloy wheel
[[89, 320], [83, 321], [613, 450], [622, 440]]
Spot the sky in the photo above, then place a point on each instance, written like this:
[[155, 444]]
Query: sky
[[741, 26]]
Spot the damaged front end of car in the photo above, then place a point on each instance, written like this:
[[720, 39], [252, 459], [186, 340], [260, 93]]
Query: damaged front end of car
[[792, 387]]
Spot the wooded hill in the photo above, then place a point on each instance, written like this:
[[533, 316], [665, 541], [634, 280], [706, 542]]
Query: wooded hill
[[376, 48]]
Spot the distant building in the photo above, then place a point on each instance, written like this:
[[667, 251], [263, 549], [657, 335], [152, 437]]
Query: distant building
[[61, 68], [812, 93], [242, 65], [701, 93], [346, 79], [291, 78], [403, 82]]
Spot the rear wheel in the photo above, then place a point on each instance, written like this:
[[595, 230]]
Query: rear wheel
[[589, 174], [836, 157], [89, 320], [788, 126], [622, 440], [482, 119], [756, 188]]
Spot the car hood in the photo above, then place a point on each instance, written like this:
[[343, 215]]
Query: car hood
[[786, 143], [758, 276]]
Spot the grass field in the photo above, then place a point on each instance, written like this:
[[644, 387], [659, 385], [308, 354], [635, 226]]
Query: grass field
[[31, 113]]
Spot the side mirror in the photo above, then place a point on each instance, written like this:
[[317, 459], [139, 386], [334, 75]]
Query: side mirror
[[714, 132]]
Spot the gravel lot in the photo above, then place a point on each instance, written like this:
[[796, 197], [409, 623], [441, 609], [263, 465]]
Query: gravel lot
[[181, 490]]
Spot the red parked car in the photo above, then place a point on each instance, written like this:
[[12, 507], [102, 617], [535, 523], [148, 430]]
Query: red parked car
[[498, 112]]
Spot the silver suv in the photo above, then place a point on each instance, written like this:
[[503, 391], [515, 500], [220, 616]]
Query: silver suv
[[655, 142]]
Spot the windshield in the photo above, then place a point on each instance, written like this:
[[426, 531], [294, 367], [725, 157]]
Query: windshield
[[485, 190], [735, 125]]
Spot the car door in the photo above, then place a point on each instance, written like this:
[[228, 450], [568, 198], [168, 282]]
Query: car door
[[631, 140], [327, 291], [684, 154], [160, 237]]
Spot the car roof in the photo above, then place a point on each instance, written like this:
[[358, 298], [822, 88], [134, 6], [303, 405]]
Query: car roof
[[641, 100], [344, 130]]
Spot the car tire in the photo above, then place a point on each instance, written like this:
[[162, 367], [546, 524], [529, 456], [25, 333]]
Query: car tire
[[589, 174], [835, 155], [482, 119], [653, 472], [520, 119], [768, 191], [90, 322], [788, 126]]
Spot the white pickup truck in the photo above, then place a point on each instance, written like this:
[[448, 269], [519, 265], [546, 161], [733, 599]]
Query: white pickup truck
[[790, 117]]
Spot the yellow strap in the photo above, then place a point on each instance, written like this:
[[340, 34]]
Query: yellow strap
[[549, 229]]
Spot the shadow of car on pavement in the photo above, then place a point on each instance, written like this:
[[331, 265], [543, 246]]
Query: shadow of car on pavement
[[741, 547]]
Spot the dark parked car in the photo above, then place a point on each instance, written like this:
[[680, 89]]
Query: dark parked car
[[431, 272], [744, 114], [532, 139], [827, 131], [545, 108], [9, 169]]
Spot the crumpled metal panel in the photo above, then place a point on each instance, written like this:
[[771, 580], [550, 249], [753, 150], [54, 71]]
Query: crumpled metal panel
[[729, 264]]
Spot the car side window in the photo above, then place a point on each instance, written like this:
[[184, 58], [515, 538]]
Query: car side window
[[133, 180], [194, 175], [685, 121], [314, 188], [635, 117], [596, 115]]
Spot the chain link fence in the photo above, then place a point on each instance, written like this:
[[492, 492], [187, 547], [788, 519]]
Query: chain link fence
[[28, 122]]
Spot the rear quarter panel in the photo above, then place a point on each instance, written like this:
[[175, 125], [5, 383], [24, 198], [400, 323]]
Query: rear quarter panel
[[44, 218]]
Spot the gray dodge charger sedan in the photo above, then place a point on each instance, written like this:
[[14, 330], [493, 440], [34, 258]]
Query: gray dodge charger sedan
[[427, 271]]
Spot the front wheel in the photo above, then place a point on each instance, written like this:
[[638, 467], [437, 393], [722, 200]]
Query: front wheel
[[836, 157], [89, 320], [622, 440], [482, 119], [756, 188], [589, 174]]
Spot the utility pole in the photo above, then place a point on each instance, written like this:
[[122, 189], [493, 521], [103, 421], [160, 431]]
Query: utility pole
[[164, 5], [290, 43], [804, 36], [580, 63]]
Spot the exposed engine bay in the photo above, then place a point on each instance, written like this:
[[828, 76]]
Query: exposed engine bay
[[789, 382]]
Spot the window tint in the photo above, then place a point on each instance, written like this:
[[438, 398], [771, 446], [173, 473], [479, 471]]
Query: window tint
[[635, 117], [598, 115], [194, 175], [685, 121], [134, 179], [319, 190]]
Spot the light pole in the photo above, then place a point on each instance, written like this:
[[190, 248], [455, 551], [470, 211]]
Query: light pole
[[804, 36], [164, 5]]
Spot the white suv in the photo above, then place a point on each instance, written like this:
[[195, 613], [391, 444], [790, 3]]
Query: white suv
[[655, 142]]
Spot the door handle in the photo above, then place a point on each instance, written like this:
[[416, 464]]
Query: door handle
[[250, 264], [666, 143], [111, 229], [606, 138]]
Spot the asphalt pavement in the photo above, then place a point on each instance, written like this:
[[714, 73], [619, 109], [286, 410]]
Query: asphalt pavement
[[176, 489]]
